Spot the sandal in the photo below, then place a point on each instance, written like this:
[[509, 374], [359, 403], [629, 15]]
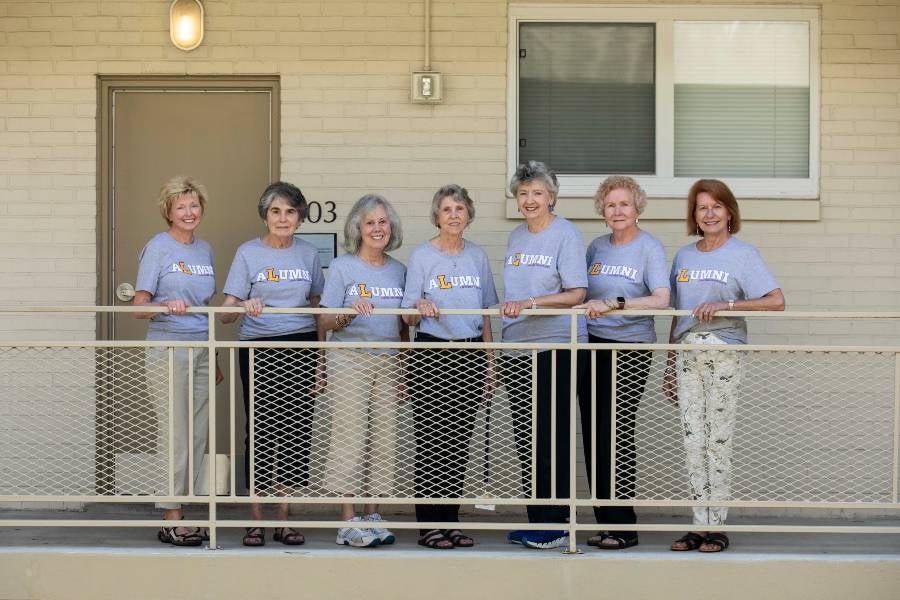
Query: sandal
[[691, 541], [458, 538], [621, 541], [289, 536], [436, 540], [255, 536], [179, 536], [717, 539]]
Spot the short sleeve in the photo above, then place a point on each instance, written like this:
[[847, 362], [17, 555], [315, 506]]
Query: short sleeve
[[334, 289], [572, 263], [415, 280], [655, 272], [149, 269], [237, 283], [488, 291], [318, 278], [756, 280]]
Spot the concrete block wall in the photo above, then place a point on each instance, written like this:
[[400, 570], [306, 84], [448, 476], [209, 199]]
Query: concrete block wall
[[348, 128]]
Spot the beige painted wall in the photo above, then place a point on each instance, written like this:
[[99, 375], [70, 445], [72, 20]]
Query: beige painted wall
[[348, 128]]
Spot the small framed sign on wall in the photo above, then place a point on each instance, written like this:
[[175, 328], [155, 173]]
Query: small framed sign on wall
[[326, 243]]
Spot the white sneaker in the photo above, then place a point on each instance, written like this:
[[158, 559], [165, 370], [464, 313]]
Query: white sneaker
[[356, 536], [384, 536]]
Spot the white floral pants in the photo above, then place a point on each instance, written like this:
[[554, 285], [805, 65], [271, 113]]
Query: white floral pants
[[708, 383]]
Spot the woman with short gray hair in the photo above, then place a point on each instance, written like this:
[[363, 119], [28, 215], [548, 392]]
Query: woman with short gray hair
[[544, 268], [279, 271], [364, 385], [447, 271]]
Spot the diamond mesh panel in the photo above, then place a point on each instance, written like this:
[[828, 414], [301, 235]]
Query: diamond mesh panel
[[426, 423], [79, 421], [809, 426]]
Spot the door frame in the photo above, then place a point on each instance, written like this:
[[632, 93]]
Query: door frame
[[107, 86]]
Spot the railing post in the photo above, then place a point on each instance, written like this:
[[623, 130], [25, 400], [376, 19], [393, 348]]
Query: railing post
[[211, 439], [896, 431], [573, 426], [613, 405]]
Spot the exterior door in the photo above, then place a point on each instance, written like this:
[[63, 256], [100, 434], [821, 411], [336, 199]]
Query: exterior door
[[224, 133]]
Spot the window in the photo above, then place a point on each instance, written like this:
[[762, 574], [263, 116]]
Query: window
[[667, 95]]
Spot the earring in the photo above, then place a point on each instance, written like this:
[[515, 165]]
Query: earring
[[636, 221], [729, 225]]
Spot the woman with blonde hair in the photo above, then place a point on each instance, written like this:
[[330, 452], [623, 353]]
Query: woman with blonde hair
[[176, 270], [626, 269]]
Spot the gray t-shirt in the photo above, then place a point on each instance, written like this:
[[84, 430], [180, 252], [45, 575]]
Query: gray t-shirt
[[351, 279], [168, 270], [734, 271], [450, 281], [281, 278], [538, 264], [632, 270]]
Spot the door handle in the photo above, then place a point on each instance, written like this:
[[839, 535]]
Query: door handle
[[125, 292]]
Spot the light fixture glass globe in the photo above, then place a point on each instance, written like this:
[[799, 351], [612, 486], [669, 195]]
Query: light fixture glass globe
[[186, 23]]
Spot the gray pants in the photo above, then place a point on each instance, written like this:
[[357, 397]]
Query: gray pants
[[708, 385], [156, 360]]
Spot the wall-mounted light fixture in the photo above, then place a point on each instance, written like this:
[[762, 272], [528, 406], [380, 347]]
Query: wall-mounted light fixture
[[186, 23]]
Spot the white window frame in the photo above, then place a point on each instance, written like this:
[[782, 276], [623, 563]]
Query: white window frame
[[773, 198]]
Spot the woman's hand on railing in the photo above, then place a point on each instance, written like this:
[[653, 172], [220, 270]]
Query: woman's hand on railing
[[706, 311], [512, 308], [363, 307], [253, 306], [427, 308], [176, 306], [595, 308]]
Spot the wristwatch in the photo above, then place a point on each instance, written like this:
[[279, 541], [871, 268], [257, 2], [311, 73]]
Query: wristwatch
[[621, 302]]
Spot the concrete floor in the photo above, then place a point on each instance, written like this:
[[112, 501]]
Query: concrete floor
[[321, 540], [93, 563]]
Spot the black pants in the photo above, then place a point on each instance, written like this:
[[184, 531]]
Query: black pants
[[283, 407], [631, 378], [519, 390], [445, 393]]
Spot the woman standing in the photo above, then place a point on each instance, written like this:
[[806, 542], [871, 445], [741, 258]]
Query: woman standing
[[626, 270], [364, 385], [447, 272], [279, 271], [718, 272], [176, 270], [544, 268]]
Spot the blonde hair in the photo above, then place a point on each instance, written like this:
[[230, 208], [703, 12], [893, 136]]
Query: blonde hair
[[176, 187], [615, 182]]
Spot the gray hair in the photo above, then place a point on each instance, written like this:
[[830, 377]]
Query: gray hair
[[534, 171], [288, 192], [620, 182], [458, 194], [364, 206]]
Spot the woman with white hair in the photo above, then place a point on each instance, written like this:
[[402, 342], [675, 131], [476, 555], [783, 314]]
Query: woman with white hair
[[544, 268], [447, 271], [626, 269], [364, 385]]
